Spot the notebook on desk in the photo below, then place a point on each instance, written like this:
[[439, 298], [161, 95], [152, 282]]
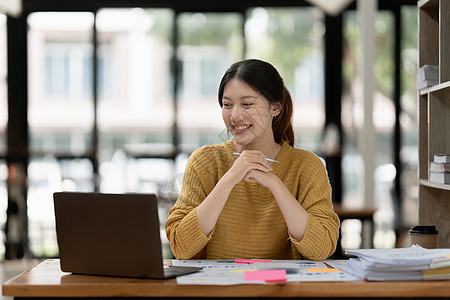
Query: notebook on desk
[[112, 235]]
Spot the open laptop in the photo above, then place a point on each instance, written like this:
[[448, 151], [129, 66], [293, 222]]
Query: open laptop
[[111, 234]]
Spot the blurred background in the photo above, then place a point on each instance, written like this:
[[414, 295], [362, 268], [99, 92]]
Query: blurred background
[[112, 97]]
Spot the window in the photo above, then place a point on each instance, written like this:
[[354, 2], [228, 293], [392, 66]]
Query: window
[[3, 88], [209, 44], [384, 122], [60, 84], [408, 117], [4, 203], [292, 40], [65, 64], [202, 71], [60, 116], [3, 122], [135, 111], [144, 109]]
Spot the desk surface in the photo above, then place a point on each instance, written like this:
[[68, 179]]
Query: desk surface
[[47, 280], [364, 213]]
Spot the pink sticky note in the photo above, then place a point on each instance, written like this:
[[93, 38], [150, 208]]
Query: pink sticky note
[[250, 261], [265, 275]]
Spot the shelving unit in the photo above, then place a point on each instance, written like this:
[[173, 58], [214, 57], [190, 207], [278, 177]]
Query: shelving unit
[[434, 115]]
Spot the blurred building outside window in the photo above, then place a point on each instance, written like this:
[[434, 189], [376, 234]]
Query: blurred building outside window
[[208, 44], [135, 99], [135, 112], [408, 120], [3, 122], [135, 92], [384, 120], [3, 83], [292, 40], [60, 116]]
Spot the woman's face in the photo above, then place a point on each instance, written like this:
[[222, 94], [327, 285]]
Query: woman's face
[[247, 114]]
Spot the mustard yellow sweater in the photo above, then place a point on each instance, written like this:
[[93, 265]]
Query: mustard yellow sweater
[[251, 224]]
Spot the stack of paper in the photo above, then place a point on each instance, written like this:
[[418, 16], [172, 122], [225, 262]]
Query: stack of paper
[[440, 169], [439, 269], [399, 264], [428, 75]]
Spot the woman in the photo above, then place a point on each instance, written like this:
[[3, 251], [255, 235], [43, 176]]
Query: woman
[[235, 202]]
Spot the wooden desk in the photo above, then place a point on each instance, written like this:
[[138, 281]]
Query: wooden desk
[[46, 280]]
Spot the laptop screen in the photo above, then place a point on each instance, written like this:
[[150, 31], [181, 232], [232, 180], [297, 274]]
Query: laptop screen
[[109, 234]]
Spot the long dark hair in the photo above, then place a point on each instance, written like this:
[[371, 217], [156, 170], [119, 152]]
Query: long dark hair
[[264, 78]]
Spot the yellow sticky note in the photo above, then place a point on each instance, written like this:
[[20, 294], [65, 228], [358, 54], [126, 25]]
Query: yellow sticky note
[[323, 270], [241, 270]]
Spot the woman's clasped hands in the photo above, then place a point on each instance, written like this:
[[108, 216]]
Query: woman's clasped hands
[[251, 165]]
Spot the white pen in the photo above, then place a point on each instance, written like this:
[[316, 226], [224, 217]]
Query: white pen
[[268, 159]]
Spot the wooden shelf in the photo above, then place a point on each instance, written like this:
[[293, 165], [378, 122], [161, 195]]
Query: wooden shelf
[[428, 3], [434, 114], [435, 88], [435, 185]]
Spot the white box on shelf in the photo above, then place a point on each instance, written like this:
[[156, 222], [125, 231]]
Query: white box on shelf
[[443, 178], [441, 158]]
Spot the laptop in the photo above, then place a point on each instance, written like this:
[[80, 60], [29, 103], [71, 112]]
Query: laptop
[[111, 235]]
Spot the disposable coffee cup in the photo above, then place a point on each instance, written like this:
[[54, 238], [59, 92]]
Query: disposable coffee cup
[[425, 236]]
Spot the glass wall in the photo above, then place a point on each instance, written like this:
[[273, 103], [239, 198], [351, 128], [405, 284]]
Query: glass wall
[[384, 122], [3, 88], [408, 118], [135, 111], [208, 44], [3, 122], [60, 82], [60, 116], [140, 99], [292, 40], [3, 83]]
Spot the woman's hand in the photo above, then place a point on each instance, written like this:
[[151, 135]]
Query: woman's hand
[[295, 215], [266, 179], [209, 210], [248, 161]]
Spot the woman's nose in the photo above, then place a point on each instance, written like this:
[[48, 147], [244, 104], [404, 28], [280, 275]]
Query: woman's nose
[[236, 114]]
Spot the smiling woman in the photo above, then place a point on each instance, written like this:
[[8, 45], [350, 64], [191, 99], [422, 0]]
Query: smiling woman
[[247, 115], [249, 207]]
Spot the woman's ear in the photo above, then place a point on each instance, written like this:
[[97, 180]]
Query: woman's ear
[[276, 109]]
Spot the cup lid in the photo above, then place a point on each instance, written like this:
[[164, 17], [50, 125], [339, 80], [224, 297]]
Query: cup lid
[[424, 230]]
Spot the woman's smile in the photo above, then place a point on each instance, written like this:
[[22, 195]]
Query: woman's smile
[[239, 129]]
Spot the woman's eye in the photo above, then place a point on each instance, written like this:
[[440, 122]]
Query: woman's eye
[[226, 105], [247, 105]]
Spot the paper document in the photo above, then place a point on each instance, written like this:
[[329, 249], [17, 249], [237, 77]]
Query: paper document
[[398, 264], [414, 255], [228, 272]]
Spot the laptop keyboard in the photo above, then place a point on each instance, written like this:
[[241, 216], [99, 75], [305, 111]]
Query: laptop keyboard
[[176, 271]]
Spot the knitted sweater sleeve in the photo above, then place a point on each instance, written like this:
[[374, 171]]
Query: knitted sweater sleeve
[[182, 227], [322, 230]]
